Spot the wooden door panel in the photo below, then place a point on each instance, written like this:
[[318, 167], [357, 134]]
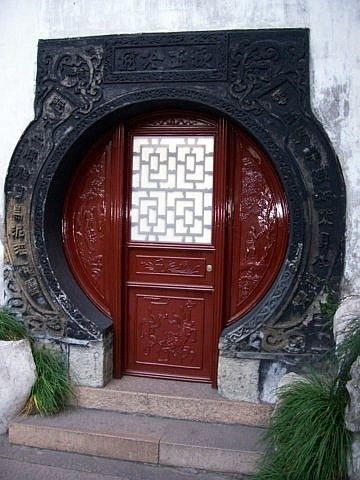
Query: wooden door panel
[[169, 266], [259, 228], [167, 332], [86, 218], [172, 242]]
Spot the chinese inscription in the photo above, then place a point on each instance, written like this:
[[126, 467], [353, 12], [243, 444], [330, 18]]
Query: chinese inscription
[[182, 60]]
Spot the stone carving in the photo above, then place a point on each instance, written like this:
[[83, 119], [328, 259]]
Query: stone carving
[[70, 86], [177, 122], [258, 79], [70, 80], [291, 341], [259, 72], [181, 57], [38, 319], [250, 323]]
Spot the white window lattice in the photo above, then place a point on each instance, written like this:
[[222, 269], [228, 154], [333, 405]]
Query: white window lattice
[[172, 189]]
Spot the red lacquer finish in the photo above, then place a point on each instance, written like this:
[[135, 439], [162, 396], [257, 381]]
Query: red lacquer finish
[[258, 225], [172, 329], [168, 309], [85, 220]]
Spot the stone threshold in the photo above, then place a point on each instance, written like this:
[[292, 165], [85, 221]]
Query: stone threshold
[[172, 399]]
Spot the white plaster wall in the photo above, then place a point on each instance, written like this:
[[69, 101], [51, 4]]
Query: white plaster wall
[[335, 64]]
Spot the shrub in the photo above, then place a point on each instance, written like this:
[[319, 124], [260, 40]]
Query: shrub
[[307, 432]]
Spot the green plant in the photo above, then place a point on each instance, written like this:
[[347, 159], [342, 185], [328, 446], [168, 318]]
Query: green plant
[[347, 351], [52, 390], [307, 431], [10, 328]]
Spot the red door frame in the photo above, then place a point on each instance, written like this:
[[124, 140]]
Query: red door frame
[[156, 125]]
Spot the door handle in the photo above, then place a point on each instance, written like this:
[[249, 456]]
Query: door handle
[[209, 267]]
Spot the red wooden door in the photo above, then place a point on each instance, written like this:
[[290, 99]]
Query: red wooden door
[[172, 249], [175, 225]]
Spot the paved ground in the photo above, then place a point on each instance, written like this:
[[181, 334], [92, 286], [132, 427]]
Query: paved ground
[[26, 463]]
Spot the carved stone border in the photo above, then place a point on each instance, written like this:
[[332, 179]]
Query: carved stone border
[[259, 79]]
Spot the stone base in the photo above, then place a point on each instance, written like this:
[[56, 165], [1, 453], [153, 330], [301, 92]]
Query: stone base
[[90, 362], [250, 379], [238, 379], [91, 365]]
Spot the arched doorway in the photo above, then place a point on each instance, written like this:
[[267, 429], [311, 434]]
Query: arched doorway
[[175, 225], [257, 79]]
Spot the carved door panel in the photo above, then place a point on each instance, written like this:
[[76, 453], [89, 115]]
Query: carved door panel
[[171, 251], [175, 225]]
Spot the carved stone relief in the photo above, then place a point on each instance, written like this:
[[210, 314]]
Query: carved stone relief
[[259, 79]]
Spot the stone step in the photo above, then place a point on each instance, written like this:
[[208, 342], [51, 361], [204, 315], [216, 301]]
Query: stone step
[[180, 443], [172, 399]]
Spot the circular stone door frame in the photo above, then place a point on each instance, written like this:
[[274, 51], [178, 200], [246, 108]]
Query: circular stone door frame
[[39, 283]]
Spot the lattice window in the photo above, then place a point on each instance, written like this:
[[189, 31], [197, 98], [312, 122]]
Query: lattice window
[[172, 189]]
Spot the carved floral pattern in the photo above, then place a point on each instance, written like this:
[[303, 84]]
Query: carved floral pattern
[[260, 67], [178, 122], [89, 222], [169, 336], [77, 73], [258, 217], [171, 266]]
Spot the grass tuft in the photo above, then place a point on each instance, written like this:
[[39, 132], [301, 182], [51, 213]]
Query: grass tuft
[[308, 433], [347, 352], [52, 390], [11, 329]]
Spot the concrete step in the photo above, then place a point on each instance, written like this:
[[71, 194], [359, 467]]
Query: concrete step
[[172, 399], [18, 462], [180, 443]]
